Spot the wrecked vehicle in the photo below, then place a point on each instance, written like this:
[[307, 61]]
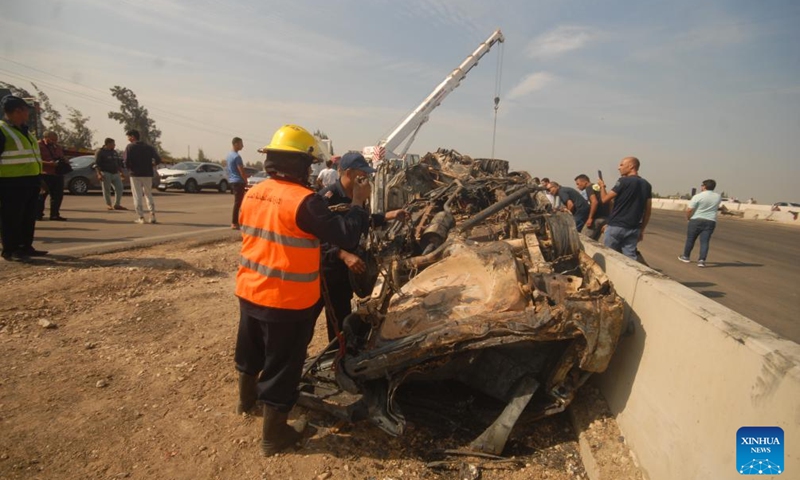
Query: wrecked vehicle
[[483, 284]]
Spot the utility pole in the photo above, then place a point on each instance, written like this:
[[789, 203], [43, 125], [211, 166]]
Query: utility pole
[[188, 155]]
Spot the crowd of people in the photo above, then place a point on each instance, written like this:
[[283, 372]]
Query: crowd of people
[[31, 171]]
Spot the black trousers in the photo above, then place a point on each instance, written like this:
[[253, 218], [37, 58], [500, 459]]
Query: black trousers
[[19, 197], [55, 188], [276, 349], [341, 294], [238, 196]]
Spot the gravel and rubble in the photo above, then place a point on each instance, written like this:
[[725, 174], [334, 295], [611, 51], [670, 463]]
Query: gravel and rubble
[[121, 366]]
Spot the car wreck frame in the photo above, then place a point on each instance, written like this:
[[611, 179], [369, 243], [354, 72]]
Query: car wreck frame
[[484, 284]]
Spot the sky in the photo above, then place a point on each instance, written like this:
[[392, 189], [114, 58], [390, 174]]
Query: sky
[[695, 89]]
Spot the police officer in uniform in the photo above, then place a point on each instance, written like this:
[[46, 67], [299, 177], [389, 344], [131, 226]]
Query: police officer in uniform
[[336, 261], [278, 283], [20, 167]]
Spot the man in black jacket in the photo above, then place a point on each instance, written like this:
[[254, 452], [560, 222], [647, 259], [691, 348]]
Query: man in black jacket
[[336, 261], [140, 158]]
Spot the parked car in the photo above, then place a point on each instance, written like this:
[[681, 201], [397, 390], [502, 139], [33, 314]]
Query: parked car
[[255, 179], [776, 207], [194, 176], [83, 176]]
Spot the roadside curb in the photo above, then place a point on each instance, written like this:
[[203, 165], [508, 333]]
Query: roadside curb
[[203, 236]]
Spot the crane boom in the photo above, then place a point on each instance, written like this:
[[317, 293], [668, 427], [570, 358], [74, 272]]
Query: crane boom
[[411, 125]]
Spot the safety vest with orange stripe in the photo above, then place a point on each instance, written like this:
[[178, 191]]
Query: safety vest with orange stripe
[[279, 264]]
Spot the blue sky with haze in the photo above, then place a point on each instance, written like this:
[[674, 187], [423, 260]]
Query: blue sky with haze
[[695, 89]]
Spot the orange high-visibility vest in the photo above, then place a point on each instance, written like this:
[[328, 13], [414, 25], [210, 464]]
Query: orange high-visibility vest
[[279, 264]]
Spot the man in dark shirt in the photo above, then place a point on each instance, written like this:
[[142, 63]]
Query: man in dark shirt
[[573, 201], [20, 167], [108, 164], [52, 155], [336, 261], [598, 211], [632, 196], [140, 158]]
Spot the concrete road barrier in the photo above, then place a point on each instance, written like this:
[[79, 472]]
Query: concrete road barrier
[[750, 211], [692, 373]]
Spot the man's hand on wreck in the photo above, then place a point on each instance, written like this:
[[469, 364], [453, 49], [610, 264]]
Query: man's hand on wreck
[[398, 215], [353, 261]]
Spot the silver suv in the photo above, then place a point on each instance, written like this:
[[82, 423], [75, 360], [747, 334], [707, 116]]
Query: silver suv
[[194, 176]]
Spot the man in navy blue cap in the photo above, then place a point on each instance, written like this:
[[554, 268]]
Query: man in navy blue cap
[[20, 169], [353, 168]]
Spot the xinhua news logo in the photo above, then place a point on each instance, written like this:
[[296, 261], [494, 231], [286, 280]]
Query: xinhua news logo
[[759, 451]]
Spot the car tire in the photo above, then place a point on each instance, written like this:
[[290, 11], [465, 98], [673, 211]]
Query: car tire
[[191, 186], [223, 186], [78, 186]]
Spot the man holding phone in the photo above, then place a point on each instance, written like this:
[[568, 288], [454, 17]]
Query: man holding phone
[[336, 261]]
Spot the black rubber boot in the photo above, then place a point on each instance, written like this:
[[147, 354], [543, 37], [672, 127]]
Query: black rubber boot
[[247, 393], [277, 435]]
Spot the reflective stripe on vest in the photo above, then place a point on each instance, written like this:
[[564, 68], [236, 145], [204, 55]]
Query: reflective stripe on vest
[[20, 157], [279, 264]]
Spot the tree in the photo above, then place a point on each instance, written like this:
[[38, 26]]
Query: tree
[[80, 136], [134, 116], [50, 115], [201, 155]]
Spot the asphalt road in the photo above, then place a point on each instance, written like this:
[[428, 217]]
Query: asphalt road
[[753, 267], [91, 225]]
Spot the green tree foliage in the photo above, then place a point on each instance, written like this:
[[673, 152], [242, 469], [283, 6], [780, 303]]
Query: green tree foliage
[[80, 135], [201, 155], [51, 118], [134, 116]]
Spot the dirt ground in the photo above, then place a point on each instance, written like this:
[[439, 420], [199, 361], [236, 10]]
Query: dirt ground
[[121, 366]]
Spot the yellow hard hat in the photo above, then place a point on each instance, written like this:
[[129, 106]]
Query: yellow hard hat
[[293, 138]]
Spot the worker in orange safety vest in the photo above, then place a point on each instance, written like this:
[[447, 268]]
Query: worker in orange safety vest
[[282, 222]]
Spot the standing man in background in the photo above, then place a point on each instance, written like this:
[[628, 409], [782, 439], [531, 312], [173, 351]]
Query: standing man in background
[[702, 216], [52, 154], [20, 167], [328, 176], [237, 178], [108, 164], [140, 159], [632, 196], [598, 211]]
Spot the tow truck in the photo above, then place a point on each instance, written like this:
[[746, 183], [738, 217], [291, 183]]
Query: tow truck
[[388, 154]]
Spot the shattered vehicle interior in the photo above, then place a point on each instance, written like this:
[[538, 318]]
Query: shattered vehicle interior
[[482, 284]]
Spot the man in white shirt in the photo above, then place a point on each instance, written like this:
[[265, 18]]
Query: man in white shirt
[[328, 176], [702, 216]]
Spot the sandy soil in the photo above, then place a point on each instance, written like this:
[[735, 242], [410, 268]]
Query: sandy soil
[[121, 366]]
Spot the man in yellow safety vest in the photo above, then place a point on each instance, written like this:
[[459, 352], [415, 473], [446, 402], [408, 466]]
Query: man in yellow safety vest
[[20, 170]]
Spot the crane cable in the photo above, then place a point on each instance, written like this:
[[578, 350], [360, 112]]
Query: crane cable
[[498, 77]]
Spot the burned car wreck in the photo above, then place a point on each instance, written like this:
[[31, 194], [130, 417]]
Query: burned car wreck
[[483, 284]]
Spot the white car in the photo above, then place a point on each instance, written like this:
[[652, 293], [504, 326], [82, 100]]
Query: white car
[[194, 176], [255, 179]]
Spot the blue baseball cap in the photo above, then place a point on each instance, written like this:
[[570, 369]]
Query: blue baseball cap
[[356, 161]]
